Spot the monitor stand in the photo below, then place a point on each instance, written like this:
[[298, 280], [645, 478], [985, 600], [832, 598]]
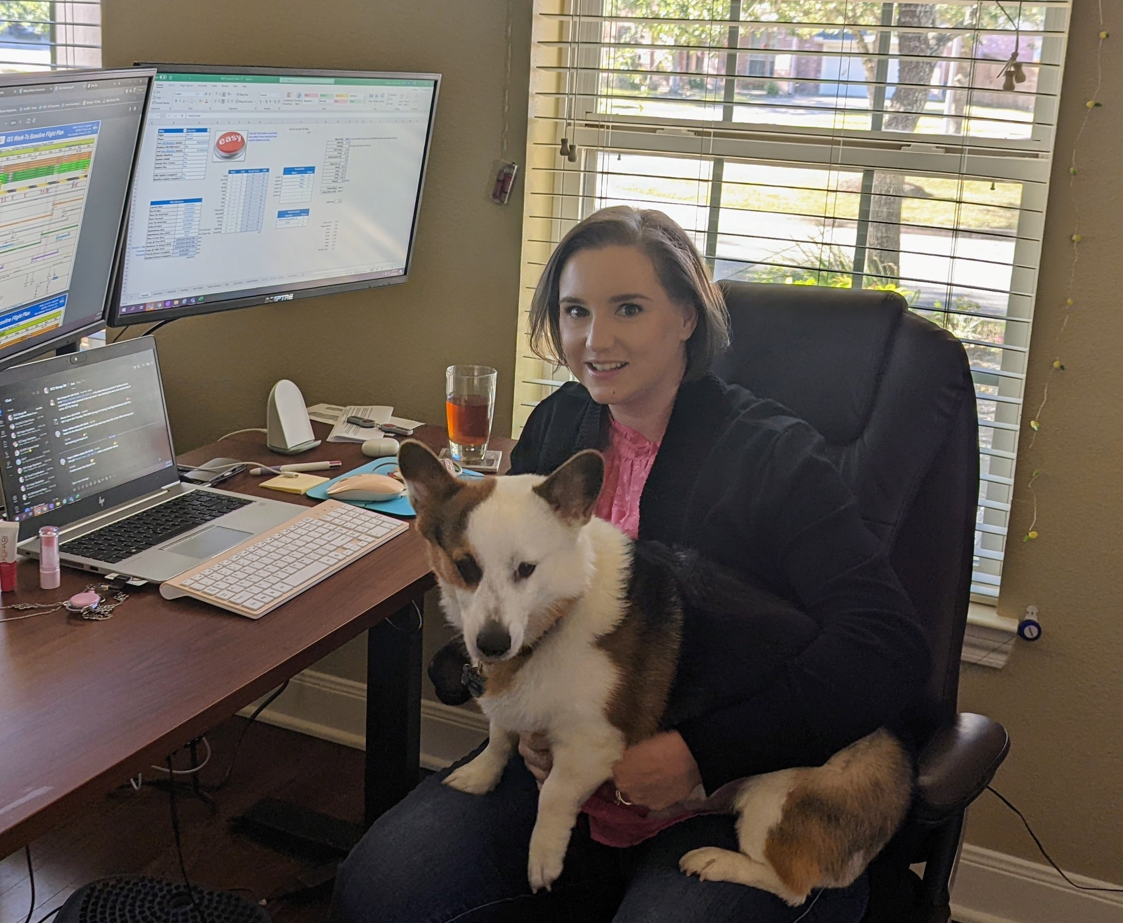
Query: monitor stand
[[67, 349]]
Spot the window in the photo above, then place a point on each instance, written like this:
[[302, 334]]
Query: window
[[811, 142], [49, 34]]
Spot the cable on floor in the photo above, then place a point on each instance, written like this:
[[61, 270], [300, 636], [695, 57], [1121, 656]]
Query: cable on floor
[[234, 756], [1049, 858], [179, 846], [31, 878]]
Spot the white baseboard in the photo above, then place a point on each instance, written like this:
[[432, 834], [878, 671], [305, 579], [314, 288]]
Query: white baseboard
[[332, 708], [990, 887]]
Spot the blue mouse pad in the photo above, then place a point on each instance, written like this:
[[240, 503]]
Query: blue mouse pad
[[399, 507]]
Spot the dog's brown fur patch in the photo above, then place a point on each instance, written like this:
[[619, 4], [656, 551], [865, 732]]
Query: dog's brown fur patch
[[572, 490], [443, 526], [645, 655], [849, 807]]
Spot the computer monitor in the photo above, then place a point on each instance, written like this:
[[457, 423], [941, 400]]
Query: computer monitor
[[67, 146], [260, 185]]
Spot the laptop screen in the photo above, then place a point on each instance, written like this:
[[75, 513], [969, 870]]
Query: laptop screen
[[78, 428]]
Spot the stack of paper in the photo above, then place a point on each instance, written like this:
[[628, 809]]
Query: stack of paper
[[342, 431]]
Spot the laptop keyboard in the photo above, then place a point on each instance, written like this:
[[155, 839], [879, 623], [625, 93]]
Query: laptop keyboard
[[152, 526]]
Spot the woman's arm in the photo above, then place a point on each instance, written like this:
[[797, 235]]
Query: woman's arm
[[870, 658]]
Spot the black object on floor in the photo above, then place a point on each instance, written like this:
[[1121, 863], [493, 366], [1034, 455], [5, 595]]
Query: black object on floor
[[279, 823], [141, 899]]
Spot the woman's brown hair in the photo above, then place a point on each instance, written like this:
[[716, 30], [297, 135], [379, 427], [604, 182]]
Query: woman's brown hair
[[680, 268]]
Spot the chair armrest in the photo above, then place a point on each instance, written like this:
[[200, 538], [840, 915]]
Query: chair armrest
[[956, 765]]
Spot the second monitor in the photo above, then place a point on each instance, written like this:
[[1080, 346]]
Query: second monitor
[[258, 185]]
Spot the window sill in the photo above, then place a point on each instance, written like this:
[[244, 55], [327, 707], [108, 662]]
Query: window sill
[[989, 637]]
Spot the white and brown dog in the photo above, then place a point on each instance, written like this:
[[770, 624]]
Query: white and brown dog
[[578, 635]]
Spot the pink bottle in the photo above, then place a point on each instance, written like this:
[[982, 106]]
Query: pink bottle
[[49, 576]]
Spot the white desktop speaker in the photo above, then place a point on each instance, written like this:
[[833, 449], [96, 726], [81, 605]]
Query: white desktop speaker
[[289, 431]]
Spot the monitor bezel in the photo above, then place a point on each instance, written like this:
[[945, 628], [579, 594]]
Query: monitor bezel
[[34, 349], [288, 293]]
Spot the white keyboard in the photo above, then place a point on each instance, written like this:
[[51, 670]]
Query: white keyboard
[[268, 570]]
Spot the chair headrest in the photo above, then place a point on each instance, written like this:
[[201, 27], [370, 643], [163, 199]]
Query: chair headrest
[[783, 333]]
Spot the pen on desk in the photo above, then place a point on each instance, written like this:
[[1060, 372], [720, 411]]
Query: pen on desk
[[302, 466]]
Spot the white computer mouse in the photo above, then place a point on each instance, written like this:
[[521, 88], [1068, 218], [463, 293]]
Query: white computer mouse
[[367, 487]]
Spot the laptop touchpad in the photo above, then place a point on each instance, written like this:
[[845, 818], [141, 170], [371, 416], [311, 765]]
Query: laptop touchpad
[[207, 544]]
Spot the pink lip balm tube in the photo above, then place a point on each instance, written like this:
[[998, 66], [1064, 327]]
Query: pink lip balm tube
[[49, 575]]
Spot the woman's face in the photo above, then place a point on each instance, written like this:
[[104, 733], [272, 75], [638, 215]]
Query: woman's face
[[623, 337]]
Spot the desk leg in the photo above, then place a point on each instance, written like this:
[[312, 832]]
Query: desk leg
[[393, 746]]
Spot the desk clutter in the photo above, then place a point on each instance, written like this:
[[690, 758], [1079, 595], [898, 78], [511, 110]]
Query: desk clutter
[[166, 524]]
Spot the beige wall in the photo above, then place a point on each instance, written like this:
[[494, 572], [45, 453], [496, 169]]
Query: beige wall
[[1062, 697], [383, 345]]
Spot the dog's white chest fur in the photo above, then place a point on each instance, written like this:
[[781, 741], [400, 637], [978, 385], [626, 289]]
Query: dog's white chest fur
[[565, 684]]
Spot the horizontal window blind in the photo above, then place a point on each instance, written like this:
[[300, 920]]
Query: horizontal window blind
[[810, 142], [43, 35]]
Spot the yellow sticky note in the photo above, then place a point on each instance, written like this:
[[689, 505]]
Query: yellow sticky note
[[299, 484]]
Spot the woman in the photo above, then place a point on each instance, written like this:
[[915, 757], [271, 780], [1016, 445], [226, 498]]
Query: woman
[[626, 303]]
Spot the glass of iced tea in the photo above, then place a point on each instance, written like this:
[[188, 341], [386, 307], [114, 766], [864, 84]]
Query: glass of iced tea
[[470, 405]]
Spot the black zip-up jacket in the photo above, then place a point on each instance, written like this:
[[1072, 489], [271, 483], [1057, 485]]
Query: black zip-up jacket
[[745, 483]]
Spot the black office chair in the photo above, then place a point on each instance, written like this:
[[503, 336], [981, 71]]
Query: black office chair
[[892, 395]]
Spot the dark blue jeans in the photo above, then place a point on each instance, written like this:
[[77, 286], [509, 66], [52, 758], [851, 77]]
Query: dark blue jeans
[[442, 856]]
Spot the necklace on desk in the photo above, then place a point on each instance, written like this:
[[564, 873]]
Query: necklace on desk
[[96, 609]]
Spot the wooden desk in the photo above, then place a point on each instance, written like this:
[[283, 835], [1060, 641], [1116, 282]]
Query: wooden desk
[[86, 705]]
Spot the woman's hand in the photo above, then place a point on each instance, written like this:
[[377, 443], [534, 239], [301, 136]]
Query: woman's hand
[[656, 772], [536, 753]]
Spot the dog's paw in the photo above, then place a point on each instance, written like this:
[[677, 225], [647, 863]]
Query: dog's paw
[[706, 863], [544, 867], [474, 778]]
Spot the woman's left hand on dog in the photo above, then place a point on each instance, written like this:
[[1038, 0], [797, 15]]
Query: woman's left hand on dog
[[657, 772], [536, 753]]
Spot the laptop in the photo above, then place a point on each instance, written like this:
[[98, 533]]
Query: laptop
[[85, 445]]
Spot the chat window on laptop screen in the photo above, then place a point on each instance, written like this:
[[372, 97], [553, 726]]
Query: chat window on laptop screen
[[80, 432], [249, 184]]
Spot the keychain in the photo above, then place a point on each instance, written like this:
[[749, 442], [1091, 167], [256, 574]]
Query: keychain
[[89, 604]]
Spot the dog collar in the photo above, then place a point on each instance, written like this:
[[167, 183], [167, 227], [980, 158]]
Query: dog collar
[[472, 678]]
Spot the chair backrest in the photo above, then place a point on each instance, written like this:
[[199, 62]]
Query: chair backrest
[[892, 395]]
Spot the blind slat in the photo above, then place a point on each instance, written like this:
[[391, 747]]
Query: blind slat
[[952, 196]]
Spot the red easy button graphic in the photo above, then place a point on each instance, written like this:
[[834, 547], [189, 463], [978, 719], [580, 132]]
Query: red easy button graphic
[[230, 143]]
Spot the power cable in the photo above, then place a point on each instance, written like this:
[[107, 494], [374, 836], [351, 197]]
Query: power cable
[[994, 792]]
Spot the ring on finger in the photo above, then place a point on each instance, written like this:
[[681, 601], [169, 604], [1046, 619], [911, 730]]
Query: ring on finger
[[620, 799]]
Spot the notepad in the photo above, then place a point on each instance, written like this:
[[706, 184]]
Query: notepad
[[298, 484]]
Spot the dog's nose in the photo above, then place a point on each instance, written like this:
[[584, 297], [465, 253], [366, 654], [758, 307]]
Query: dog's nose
[[493, 640]]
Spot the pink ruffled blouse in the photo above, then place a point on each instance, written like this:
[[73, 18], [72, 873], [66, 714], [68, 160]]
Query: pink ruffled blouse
[[628, 460], [627, 463]]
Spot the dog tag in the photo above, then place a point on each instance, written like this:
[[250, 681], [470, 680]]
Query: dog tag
[[473, 679]]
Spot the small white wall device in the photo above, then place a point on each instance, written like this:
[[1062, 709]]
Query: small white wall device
[[288, 429]]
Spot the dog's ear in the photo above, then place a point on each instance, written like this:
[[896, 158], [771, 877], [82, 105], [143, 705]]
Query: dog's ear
[[429, 482], [573, 489]]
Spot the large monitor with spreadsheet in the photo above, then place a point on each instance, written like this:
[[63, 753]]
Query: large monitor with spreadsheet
[[67, 146], [260, 185]]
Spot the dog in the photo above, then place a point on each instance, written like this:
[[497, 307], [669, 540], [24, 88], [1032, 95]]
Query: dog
[[575, 632]]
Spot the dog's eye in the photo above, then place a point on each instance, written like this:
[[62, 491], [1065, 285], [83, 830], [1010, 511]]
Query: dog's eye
[[524, 570], [470, 571]]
